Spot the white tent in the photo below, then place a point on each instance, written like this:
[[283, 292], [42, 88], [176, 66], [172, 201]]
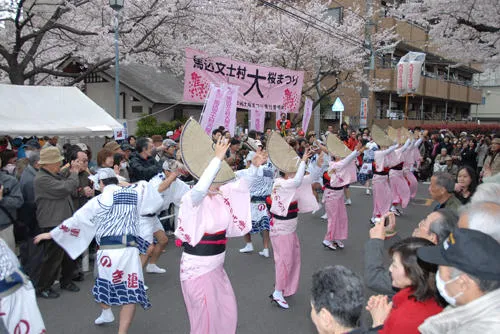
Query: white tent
[[47, 110]]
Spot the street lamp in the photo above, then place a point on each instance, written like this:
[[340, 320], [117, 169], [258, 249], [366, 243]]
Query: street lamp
[[117, 5]]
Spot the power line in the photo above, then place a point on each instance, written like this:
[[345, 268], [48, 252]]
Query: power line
[[342, 33], [314, 25]]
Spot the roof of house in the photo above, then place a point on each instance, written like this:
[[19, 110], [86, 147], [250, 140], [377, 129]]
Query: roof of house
[[158, 85]]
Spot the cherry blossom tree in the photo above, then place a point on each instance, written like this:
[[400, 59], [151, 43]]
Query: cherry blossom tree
[[298, 35], [465, 30], [38, 35]]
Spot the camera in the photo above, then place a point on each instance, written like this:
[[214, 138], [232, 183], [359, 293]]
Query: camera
[[386, 221]]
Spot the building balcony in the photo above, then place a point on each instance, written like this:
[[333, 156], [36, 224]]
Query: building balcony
[[430, 87], [408, 33]]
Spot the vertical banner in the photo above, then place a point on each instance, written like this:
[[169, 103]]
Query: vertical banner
[[229, 108], [409, 72], [211, 109], [257, 119], [220, 109], [307, 114], [363, 113]]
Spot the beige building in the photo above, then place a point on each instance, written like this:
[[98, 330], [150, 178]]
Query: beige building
[[446, 90], [489, 109]]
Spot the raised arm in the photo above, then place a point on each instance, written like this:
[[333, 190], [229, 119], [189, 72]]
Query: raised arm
[[200, 190]]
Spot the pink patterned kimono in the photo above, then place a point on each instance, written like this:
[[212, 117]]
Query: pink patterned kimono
[[288, 198], [399, 185], [412, 159], [206, 222], [333, 196], [382, 196]]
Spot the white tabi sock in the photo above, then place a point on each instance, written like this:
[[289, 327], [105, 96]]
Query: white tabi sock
[[105, 317]]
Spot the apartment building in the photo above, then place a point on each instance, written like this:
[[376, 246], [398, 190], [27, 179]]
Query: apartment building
[[446, 91]]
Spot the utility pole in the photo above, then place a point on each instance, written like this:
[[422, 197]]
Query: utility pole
[[370, 61]]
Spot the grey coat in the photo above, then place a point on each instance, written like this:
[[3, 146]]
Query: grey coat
[[53, 197], [377, 276], [12, 199]]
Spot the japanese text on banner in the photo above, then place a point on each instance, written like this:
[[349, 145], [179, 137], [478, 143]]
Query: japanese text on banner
[[268, 88]]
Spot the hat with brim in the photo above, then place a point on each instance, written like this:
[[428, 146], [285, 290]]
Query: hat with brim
[[113, 146], [253, 144], [336, 147], [282, 155], [496, 141], [399, 135], [50, 155], [197, 150], [468, 250], [380, 137]]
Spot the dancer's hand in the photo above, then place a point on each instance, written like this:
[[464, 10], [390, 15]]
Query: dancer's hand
[[40, 237], [221, 148], [307, 154]]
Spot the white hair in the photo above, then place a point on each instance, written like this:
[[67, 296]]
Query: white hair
[[487, 192], [484, 217]]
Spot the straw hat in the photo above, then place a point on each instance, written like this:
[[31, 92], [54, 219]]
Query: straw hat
[[379, 136], [282, 155], [197, 150], [50, 155], [336, 147]]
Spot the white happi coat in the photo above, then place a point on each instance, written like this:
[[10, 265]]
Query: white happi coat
[[18, 308]]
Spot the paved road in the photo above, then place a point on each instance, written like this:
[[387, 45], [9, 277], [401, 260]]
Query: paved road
[[252, 277]]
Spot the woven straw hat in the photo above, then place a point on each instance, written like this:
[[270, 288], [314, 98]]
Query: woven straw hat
[[336, 147], [282, 155], [197, 150], [50, 155], [253, 143], [379, 136]]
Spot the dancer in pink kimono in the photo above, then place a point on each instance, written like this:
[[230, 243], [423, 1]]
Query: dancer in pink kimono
[[382, 197], [209, 213], [412, 159], [291, 193], [340, 173], [399, 185]]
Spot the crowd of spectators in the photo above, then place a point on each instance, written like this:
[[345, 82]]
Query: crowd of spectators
[[434, 284]]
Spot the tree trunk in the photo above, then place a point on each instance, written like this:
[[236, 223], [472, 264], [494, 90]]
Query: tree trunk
[[16, 76]]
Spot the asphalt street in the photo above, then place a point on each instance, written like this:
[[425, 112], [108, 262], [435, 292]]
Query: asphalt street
[[252, 277]]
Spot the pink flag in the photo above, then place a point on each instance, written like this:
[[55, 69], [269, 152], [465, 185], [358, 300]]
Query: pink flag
[[220, 109], [307, 114], [257, 119]]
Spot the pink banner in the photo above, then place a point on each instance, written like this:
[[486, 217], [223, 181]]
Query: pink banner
[[257, 120], [308, 108], [266, 88], [220, 109]]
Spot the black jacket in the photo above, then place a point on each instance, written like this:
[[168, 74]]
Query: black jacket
[[141, 169]]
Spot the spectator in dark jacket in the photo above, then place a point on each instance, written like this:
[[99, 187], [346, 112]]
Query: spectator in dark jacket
[[142, 164], [469, 155], [54, 205], [11, 199], [27, 214]]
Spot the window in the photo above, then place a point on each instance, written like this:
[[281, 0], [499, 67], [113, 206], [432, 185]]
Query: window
[[137, 109], [337, 13]]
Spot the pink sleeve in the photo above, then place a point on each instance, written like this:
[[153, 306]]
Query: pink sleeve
[[238, 197]]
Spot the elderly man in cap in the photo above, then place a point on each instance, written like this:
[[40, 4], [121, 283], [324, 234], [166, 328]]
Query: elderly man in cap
[[169, 148], [468, 278], [53, 205], [441, 190], [492, 163]]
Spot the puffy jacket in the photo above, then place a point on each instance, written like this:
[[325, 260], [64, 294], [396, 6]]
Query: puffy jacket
[[141, 169]]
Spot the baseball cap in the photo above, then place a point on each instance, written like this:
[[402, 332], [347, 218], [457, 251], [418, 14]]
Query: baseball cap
[[169, 142], [468, 250], [170, 133], [33, 143], [126, 147]]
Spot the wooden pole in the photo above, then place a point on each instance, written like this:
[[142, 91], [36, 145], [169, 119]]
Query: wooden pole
[[406, 112]]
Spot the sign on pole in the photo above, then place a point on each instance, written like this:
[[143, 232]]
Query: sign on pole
[[338, 106], [363, 113]]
